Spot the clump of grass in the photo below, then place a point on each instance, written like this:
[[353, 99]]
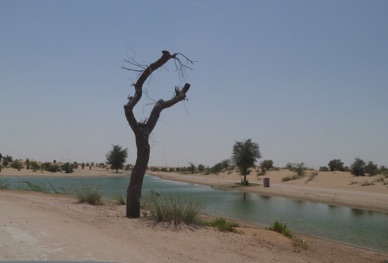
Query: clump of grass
[[222, 225], [171, 208], [366, 183], [281, 228], [119, 199], [4, 184], [89, 194], [299, 244], [353, 182], [289, 178]]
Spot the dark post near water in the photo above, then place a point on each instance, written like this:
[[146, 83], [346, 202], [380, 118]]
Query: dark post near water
[[143, 129]]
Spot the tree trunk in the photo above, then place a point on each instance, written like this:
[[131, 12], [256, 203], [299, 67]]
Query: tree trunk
[[245, 178], [137, 176], [143, 129]]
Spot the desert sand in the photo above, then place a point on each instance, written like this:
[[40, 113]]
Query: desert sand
[[36, 226]]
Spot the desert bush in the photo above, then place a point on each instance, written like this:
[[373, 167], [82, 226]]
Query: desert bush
[[311, 177], [281, 228], [89, 194], [289, 178], [222, 225], [366, 183], [299, 244], [171, 208], [323, 169]]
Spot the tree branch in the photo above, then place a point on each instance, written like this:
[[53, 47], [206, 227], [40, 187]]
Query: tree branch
[[161, 105]]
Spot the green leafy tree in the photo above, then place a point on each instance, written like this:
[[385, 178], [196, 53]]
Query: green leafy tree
[[7, 160], [116, 157], [16, 164], [371, 169], [67, 167], [34, 165], [192, 168], [244, 156], [336, 165], [358, 167], [266, 165]]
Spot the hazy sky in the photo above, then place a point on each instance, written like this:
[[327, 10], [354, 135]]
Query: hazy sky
[[306, 80]]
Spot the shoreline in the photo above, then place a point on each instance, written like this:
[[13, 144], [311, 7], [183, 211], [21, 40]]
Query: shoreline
[[337, 189], [363, 200]]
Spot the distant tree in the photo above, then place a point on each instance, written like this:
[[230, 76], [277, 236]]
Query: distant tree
[[27, 164], [7, 160], [323, 169], [336, 165], [383, 170], [1, 156], [358, 167], [116, 157], [225, 164], [192, 168], [16, 164], [201, 167], [371, 169], [244, 156], [266, 165], [67, 167], [34, 165], [82, 165]]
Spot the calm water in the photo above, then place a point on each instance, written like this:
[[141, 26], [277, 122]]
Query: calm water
[[352, 226]]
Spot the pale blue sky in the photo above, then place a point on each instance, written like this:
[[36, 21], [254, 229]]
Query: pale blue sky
[[307, 80]]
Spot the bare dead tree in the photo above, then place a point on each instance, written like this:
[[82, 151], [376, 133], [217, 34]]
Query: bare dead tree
[[143, 129]]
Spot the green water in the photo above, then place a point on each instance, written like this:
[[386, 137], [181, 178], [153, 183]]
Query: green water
[[352, 226]]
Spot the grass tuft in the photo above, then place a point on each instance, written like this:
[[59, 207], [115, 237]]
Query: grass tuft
[[89, 194], [281, 228], [119, 199], [299, 244], [171, 208], [222, 225]]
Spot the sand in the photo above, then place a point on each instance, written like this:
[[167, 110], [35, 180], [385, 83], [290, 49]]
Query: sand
[[36, 226]]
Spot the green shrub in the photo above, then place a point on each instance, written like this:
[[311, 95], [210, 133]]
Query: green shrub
[[89, 194], [222, 225], [281, 228], [170, 208]]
